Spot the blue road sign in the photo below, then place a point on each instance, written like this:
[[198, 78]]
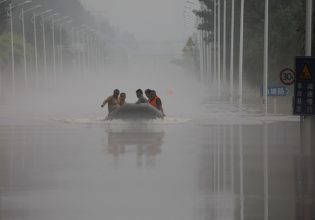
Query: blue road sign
[[276, 91], [304, 89]]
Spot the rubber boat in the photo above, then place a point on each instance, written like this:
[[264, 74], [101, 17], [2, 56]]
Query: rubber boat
[[135, 112]]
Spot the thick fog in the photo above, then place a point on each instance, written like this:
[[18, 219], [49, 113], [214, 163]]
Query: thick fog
[[148, 20], [222, 151]]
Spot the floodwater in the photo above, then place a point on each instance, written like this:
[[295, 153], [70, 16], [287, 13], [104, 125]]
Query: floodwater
[[228, 166]]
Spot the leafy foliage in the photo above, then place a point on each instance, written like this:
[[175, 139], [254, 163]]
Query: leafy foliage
[[5, 50], [286, 34], [3, 15]]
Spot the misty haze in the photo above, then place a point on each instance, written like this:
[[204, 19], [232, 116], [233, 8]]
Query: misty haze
[[157, 110]]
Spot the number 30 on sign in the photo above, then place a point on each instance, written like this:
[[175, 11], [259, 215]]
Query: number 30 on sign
[[287, 76]]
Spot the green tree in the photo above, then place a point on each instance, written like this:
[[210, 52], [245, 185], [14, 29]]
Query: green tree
[[286, 34], [5, 50], [3, 15]]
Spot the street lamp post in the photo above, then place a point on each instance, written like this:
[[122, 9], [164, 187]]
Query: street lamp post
[[12, 49], [265, 83], [44, 43], [53, 22], [83, 40], [241, 55], [42, 22], [215, 55], [224, 44], [308, 122], [90, 48], [52, 26], [10, 12], [0, 72], [61, 44], [35, 43], [23, 12], [232, 52], [219, 49], [80, 52], [77, 39]]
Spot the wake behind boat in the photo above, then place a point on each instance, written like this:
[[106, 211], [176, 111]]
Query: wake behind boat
[[135, 112]]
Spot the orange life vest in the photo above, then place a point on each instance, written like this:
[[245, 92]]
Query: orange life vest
[[153, 101]]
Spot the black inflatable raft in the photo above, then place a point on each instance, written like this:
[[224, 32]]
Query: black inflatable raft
[[135, 112]]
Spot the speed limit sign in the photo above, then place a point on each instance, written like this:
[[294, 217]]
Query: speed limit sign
[[287, 76]]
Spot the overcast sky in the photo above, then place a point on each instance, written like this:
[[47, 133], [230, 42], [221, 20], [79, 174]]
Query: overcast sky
[[148, 20]]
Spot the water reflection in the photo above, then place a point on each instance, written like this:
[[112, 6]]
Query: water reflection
[[257, 172], [305, 183], [144, 142], [238, 172]]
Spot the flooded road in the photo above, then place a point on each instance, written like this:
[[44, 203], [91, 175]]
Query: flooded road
[[252, 169]]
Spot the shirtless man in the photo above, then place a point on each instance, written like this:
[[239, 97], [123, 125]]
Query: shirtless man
[[122, 99], [112, 101]]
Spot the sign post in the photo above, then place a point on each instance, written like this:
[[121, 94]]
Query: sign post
[[304, 97], [307, 127]]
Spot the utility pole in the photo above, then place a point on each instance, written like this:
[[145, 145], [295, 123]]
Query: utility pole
[[24, 49], [201, 53], [308, 122], [35, 43], [266, 43], [241, 55], [215, 43], [23, 12], [219, 49], [224, 44], [206, 56], [210, 58], [35, 48], [61, 44], [12, 49], [44, 42], [44, 47], [52, 26], [232, 53]]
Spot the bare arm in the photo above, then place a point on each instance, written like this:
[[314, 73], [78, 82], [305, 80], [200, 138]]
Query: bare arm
[[105, 102]]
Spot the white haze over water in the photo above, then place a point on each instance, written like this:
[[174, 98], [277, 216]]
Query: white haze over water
[[181, 94]]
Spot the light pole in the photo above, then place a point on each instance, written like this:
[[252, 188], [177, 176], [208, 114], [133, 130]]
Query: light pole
[[44, 42], [23, 12], [215, 55], [87, 40], [82, 40], [308, 122], [10, 12], [61, 44], [90, 34], [224, 44], [232, 52], [53, 22], [0, 72], [266, 32], [35, 42], [241, 55], [75, 45], [219, 49]]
